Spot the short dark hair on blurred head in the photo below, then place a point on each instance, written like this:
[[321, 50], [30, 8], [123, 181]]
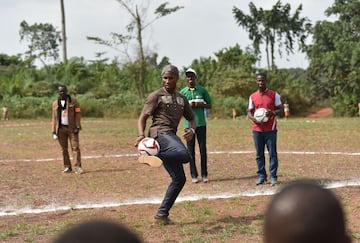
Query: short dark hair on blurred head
[[96, 231]]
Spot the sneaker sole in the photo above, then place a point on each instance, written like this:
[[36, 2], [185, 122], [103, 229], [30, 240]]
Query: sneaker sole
[[261, 183], [152, 161], [274, 184]]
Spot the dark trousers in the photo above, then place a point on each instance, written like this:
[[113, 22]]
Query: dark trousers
[[260, 140], [173, 153], [200, 134], [65, 136]]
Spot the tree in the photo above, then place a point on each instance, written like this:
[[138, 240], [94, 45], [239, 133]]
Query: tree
[[271, 26], [234, 74], [135, 31], [63, 31], [9, 67], [334, 56], [43, 40], [6, 60], [230, 74]]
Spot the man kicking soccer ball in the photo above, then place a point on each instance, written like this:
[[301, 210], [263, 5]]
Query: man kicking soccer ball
[[167, 106]]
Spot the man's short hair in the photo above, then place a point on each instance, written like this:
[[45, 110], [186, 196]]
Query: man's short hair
[[170, 68], [95, 231], [304, 211], [62, 86], [262, 75]]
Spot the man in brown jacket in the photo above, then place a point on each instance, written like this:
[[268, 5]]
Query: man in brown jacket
[[66, 126]]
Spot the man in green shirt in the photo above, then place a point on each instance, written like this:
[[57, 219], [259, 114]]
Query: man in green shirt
[[199, 100]]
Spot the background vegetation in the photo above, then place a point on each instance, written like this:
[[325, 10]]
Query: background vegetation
[[106, 88]]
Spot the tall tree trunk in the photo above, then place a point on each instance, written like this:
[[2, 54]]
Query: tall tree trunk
[[272, 57], [142, 72], [63, 31], [267, 52]]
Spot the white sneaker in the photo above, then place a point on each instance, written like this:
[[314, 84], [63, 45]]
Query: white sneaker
[[79, 170], [194, 180], [150, 160], [67, 170], [205, 179]]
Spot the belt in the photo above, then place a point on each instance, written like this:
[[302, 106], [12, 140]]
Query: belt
[[64, 125]]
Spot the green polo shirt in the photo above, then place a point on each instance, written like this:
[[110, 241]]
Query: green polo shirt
[[199, 93]]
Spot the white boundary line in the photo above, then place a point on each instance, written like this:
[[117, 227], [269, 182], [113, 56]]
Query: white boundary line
[[252, 193], [212, 152]]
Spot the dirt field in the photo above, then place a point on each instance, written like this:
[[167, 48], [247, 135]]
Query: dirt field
[[321, 113], [38, 202]]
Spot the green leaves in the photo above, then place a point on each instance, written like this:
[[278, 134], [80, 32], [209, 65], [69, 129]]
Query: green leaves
[[273, 26], [162, 11], [335, 57], [43, 40]]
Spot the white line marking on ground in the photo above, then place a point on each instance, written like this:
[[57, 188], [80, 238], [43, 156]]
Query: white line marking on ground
[[250, 193], [212, 152]]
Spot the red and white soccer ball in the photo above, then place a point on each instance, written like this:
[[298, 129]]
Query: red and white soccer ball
[[260, 115], [148, 146]]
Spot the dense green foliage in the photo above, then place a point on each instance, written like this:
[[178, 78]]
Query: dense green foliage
[[108, 90], [334, 71]]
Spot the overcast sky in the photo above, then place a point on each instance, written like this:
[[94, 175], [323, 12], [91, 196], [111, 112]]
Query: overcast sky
[[200, 29]]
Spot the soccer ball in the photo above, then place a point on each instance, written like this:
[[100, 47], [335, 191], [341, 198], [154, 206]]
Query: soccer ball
[[260, 115], [148, 146]]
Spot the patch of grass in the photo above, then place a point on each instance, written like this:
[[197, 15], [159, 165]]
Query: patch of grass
[[8, 233], [30, 230], [250, 229]]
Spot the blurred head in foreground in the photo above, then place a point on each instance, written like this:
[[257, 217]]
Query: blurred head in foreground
[[303, 211], [98, 231]]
